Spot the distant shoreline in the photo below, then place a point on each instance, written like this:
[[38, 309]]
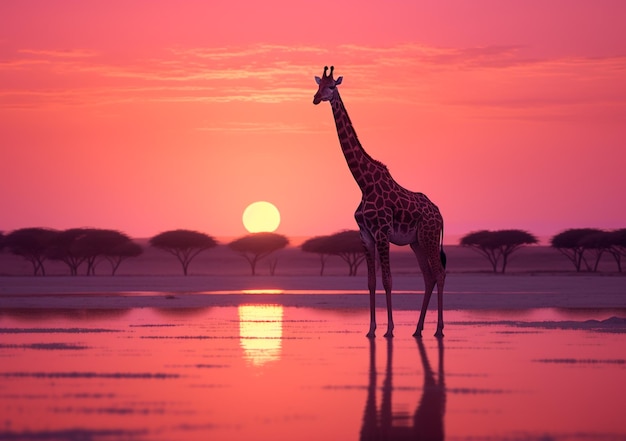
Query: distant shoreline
[[222, 261], [463, 291]]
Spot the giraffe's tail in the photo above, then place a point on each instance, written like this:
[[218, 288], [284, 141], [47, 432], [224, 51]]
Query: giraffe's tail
[[442, 254]]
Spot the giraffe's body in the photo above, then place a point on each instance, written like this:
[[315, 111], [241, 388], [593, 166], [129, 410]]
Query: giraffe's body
[[388, 213]]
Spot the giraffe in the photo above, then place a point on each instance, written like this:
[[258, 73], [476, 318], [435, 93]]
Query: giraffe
[[388, 213]]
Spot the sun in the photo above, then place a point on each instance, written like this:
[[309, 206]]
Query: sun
[[260, 217]]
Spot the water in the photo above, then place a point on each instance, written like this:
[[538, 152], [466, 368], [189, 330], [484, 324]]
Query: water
[[270, 372]]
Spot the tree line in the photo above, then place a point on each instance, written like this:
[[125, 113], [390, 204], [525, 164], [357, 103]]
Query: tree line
[[582, 246], [74, 247], [88, 247]]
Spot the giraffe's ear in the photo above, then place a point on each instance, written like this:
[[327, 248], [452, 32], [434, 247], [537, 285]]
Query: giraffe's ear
[[318, 80], [338, 81]]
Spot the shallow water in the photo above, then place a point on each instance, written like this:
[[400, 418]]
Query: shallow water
[[269, 372]]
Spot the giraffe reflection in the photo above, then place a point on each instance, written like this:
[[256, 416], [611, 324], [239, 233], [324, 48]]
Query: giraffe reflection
[[427, 422]]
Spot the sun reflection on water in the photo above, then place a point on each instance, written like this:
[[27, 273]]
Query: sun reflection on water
[[262, 291], [261, 332]]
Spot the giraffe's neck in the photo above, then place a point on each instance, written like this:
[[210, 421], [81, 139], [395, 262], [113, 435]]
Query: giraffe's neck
[[362, 165]]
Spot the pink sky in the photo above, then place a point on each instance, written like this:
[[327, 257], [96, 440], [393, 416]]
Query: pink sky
[[145, 116]]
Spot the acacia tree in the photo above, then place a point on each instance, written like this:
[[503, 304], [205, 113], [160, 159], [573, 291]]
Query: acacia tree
[[117, 254], [111, 245], [97, 243], [347, 245], [618, 246], [597, 243], [496, 245], [32, 244], [64, 249], [570, 244], [88, 245], [184, 244], [317, 245], [257, 246]]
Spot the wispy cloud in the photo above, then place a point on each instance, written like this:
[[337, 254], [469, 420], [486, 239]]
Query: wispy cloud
[[70, 53], [491, 76], [254, 127]]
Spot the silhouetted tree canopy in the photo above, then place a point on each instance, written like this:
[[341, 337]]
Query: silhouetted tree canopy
[[64, 248], [116, 255], [619, 237], [97, 243], [597, 243], [618, 246], [317, 245], [348, 245], [345, 244], [496, 245], [184, 244], [257, 246], [76, 246], [570, 243], [32, 244]]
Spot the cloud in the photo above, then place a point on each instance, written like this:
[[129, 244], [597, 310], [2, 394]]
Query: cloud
[[241, 52], [413, 74], [254, 127], [419, 54], [70, 53]]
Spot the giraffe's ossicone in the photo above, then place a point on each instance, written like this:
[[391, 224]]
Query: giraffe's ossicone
[[388, 213]]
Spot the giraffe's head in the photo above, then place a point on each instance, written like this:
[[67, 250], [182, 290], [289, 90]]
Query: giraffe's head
[[327, 86]]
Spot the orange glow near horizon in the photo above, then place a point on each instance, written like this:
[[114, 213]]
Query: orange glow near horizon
[[149, 116]]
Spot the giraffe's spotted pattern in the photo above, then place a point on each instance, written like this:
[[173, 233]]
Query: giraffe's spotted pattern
[[387, 211]]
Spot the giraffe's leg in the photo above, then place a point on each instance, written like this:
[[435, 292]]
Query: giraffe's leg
[[427, 294], [383, 253], [441, 277], [429, 285], [371, 283]]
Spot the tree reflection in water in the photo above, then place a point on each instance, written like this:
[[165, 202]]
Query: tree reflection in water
[[428, 419]]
